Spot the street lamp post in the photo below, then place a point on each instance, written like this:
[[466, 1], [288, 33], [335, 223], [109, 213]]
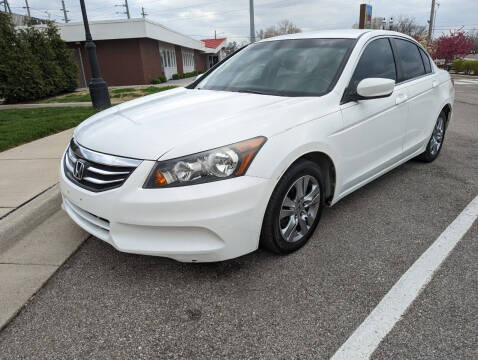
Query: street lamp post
[[251, 23], [98, 88]]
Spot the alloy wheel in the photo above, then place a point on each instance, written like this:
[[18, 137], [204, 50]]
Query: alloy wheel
[[299, 208], [437, 136]]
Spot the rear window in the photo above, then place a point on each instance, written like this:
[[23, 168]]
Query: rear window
[[426, 61], [410, 60]]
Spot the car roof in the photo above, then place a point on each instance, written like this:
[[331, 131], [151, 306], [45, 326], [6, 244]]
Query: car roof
[[336, 34]]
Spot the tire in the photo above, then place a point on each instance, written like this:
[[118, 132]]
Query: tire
[[436, 140], [276, 227]]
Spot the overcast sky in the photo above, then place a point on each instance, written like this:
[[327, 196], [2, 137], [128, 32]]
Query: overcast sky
[[230, 18]]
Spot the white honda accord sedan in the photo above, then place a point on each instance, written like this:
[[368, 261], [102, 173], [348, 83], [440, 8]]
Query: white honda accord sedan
[[250, 153]]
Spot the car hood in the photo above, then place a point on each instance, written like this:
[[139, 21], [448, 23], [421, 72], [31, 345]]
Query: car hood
[[179, 122]]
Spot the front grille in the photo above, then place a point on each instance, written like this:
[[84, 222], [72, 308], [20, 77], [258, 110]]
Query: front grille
[[95, 171]]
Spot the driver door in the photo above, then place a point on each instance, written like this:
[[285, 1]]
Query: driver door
[[373, 130]]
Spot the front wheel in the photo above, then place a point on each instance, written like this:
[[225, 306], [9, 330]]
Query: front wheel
[[436, 140], [294, 208]]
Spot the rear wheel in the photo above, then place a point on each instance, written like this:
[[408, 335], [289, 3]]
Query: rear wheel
[[436, 140], [294, 208]]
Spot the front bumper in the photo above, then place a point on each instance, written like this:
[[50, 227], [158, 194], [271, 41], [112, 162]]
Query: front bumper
[[207, 222]]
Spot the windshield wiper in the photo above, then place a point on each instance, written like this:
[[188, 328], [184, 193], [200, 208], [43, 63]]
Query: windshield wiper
[[249, 91]]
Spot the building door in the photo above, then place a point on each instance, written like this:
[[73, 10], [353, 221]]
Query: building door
[[212, 60], [168, 60]]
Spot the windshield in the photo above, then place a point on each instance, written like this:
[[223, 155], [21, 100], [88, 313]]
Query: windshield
[[298, 67]]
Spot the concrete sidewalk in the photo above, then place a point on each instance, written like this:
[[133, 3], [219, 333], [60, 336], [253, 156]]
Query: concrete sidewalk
[[36, 236], [49, 105], [179, 82], [30, 261], [30, 169]]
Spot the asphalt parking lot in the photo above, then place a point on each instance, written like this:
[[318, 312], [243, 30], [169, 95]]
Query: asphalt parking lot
[[105, 304]]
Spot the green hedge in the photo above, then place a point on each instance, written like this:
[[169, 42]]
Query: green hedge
[[187, 75], [159, 80], [162, 78], [466, 66], [34, 63]]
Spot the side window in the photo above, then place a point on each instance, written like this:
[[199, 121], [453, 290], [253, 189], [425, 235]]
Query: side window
[[376, 61], [426, 61], [410, 59]]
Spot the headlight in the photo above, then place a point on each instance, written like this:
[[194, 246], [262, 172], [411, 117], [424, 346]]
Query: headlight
[[212, 165]]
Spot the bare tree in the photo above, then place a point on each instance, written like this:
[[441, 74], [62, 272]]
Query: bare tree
[[376, 23], [403, 24], [230, 47], [233, 46], [474, 37], [283, 27], [409, 26]]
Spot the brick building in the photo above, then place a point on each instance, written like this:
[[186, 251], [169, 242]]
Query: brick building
[[134, 51]]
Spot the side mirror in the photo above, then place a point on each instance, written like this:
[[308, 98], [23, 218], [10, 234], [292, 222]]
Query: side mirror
[[374, 88]]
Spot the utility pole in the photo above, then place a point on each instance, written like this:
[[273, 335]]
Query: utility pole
[[251, 14], [127, 8], [27, 7], [437, 6], [100, 96], [125, 5], [6, 6], [430, 22], [143, 14], [65, 15]]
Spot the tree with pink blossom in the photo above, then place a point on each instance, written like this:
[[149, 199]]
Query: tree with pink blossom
[[449, 47]]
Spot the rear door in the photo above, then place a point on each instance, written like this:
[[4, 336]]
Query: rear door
[[374, 129], [419, 84]]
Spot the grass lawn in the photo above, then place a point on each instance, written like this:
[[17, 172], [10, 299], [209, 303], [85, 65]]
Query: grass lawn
[[123, 94], [20, 126]]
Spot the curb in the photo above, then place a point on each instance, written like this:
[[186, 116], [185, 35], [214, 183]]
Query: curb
[[27, 217], [44, 105]]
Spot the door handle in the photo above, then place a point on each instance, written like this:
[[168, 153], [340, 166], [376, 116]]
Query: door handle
[[401, 98], [435, 83]]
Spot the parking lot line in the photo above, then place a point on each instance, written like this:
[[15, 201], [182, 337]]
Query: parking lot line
[[366, 338], [466, 82]]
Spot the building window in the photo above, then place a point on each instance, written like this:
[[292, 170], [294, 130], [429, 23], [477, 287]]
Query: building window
[[188, 59]]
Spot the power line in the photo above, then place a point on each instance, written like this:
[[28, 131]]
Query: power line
[[185, 7], [441, 26], [203, 16], [455, 28], [223, 12], [231, 36]]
